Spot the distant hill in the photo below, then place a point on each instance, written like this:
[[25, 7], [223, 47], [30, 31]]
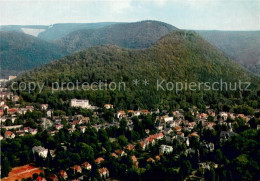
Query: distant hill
[[241, 46], [128, 35], [21, 52], [178, 56], [57, 31]]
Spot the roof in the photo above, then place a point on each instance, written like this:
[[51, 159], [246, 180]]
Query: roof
[[150, 160], [76, 167], [102, 170], [86, 164], [8, 133], [99, 160], [63, 173], [134, 158]]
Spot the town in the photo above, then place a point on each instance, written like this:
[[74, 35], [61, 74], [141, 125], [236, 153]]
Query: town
[[104, 143]]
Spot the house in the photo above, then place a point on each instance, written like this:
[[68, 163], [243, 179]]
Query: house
[[135, 162], [203, 167], [86, 165], [180, 133], [63, 174], [41, 151], [165, 149], [49, 113], [12, 111], [144, 111], [54, 177], [195, 134], [20, 133], [166, 118], [150, 160], [143, 145], [114, 155], [59, 126], [30, 108], [177, 128], [33, 131], [44, 106], [108, 106], [15, 98], [223, 115], [104, 172], [121, 152], [82, 129], [167, 130], [9, 135], [76, 169], [120, 114], [99, 160], [129, 147]]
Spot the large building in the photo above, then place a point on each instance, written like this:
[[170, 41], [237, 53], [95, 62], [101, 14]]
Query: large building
[[80, 103], [41, 151]]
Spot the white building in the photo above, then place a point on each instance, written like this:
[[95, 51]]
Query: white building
[[80, 103], [165, 149], [41, 151]]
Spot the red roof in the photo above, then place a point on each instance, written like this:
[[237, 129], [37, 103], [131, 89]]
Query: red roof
[[99, 160], [8, 133], [63, 173], [86, 164], [134, 158]]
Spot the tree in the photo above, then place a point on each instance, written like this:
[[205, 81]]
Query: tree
[[210, 175], [8, 122], [122, 140], [6, 167]]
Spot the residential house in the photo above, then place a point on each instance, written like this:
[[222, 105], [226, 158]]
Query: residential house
[[121, 152], [44, 106], [120, 114], [135, 162], [9, 135], [108, 106], [99, 160], [104, 172], [76, 169], [86, 165], [63, 174]]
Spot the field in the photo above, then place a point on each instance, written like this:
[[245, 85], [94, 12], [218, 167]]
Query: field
[[25, 171]]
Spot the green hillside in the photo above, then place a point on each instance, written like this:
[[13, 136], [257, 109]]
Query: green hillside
[[128, 35], [179, 56], [21, 52], [57, 31], [241, 46]]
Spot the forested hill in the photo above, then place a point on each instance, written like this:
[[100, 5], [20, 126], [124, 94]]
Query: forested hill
[[60, 30], [179, 56], [21, 52], [240, 46], [128, 35]]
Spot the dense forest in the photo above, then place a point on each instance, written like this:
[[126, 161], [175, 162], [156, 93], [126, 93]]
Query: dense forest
[[21, 52], [128, 35], [240, 46], [180, 56]]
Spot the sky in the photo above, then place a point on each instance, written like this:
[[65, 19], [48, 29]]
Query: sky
[[184, 14]]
